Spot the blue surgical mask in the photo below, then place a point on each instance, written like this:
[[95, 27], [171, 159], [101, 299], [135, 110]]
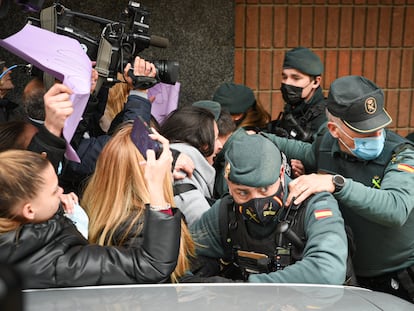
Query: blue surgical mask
[[367, 148]]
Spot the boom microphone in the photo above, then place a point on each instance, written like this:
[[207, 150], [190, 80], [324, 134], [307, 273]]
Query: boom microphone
[[159, 42]]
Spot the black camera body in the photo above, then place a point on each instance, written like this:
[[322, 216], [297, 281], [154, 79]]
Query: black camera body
[[126, 37]]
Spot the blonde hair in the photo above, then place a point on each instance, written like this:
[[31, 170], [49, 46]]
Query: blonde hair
[[256, 116], [116, 195], [20, 179], [117, 97]]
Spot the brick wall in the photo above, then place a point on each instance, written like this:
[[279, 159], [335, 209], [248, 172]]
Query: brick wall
[[373, 38]]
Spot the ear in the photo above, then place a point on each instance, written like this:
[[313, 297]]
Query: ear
[[317, 82], [333, 129], [282, 175], [28, 212], [237, 117], [228, 184]]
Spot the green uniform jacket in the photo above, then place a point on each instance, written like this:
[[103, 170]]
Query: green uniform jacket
[[387, 211], [324, 256]]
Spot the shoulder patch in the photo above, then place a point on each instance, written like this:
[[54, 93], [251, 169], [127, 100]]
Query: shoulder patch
[[405, 168], [323, 213]]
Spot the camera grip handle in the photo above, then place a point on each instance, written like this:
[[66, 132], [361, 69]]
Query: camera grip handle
[[141, 82]]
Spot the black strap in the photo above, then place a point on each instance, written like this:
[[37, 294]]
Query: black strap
[[181, 188], [406, 280], [175, 154], [48, 21]]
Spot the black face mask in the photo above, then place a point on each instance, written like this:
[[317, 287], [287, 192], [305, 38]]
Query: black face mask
[[263, 210], [292, 95]]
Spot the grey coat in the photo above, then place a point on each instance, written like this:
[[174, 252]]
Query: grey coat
[[193, 203]]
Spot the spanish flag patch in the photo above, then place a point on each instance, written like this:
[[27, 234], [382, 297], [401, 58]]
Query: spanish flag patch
[[406, 168], [323, 213]]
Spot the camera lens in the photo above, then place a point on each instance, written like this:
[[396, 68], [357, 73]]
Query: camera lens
[[167, 71]]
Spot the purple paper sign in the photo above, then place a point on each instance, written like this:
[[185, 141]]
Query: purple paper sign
[[61, 57], [166, 99]]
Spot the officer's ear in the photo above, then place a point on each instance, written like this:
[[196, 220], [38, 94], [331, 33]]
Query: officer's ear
[[316, 82], [282, 175], [333, 129]]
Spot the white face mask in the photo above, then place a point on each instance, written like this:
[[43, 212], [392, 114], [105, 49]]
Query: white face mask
[[81, 219], [367, 148]]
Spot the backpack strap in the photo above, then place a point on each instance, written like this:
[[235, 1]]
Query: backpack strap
[[227, 219], [181, 188], [48, 21]]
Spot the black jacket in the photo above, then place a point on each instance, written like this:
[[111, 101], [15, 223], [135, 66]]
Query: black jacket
[[55, 254], [45, 142]]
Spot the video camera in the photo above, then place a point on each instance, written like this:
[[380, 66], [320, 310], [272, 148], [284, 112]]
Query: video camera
[[122, 39]]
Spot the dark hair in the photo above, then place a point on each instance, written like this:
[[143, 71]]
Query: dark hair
[[191, 125], [225, 123], [11, 134], [33, 101]]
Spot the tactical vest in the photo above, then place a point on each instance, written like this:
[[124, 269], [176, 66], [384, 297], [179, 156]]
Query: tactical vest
[[299, 124], [370, 173], [244, 255]]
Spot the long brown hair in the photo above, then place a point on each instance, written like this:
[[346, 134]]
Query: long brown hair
[[256, 116], [116, 195]]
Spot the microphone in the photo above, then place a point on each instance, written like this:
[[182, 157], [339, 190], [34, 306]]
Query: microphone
[[159, 42]]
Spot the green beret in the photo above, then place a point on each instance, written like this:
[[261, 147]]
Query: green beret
[[252, 160], [359, 103], [213, 106], [235, 98], [304, 60]]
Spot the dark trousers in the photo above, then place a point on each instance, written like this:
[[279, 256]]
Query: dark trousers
[[392, 283]]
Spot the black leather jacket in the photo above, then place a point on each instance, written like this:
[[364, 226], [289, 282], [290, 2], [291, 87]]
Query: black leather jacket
[[55, 254]]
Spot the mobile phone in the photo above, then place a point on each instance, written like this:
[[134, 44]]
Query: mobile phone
[[140, 137]]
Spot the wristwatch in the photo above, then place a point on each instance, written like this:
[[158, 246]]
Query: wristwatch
[[339, 182]]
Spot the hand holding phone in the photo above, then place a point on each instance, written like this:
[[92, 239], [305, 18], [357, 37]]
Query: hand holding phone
[[140, 137]]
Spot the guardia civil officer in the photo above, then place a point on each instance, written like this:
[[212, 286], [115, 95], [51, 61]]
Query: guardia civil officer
[[370, 171], [259, 240], [304, 110]]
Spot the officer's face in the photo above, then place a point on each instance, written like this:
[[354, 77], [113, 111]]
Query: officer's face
[[345, 135], [242, 194], [294, 77]]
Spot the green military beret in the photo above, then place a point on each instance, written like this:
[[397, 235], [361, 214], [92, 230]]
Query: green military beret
[[304, 60], [359, 103], [235, 98], [213, 106], [252, 160]]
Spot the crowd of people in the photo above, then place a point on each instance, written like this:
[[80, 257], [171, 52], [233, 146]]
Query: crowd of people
[[323, 194]]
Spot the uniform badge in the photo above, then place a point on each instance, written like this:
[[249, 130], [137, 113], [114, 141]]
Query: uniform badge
[[323, 213], [370, 105], [405, 168], [376, 182]]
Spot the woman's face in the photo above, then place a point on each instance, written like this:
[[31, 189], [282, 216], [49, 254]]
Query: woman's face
[[46, 203]]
